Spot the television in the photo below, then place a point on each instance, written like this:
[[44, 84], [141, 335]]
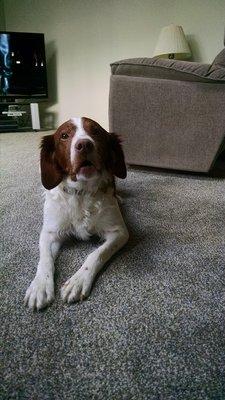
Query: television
[[22, 66]]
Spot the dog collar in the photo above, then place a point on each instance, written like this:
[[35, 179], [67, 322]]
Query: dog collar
[[70, 190], [74, 191]]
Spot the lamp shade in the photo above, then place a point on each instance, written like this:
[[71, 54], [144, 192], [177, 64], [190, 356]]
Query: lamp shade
[[172, 43]]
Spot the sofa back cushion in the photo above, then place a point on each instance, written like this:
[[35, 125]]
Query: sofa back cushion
[[220, 59], [217, 68]]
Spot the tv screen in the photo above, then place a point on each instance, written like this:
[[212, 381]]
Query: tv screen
[[22, 65]]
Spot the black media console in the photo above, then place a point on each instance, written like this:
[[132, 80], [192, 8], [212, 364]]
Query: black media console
[[20, 117]]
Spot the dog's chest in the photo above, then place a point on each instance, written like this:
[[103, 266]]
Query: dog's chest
[[82, 215]]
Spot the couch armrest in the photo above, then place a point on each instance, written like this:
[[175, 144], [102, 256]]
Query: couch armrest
[[160, 68]]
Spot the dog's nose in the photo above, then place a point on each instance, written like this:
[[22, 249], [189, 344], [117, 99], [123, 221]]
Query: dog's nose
[[84, 145]]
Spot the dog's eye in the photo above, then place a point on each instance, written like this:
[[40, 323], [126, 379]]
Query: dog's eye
[[64, 136]]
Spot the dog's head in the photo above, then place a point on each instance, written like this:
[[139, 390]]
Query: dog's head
[[80, 149]]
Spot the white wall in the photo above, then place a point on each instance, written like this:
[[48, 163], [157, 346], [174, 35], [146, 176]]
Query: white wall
[[84, 36], [2, 16]]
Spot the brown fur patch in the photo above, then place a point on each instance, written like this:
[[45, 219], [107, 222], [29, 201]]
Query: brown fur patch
[[108, 147]]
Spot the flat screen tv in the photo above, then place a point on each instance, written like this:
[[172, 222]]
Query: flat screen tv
[[22, 65]]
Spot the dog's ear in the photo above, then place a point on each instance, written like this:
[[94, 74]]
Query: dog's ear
[[116, 158], [51, 174]]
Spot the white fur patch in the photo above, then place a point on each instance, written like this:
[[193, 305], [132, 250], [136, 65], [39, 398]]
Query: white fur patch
[[80, 134]]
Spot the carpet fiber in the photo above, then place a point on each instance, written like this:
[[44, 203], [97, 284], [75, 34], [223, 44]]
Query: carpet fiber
[[153, 327]]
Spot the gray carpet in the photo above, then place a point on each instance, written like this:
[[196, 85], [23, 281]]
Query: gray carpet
[[153, 327]]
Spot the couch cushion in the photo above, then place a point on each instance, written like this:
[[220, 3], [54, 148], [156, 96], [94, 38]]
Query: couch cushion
[[217, 69], [167, 69], [220, 59]]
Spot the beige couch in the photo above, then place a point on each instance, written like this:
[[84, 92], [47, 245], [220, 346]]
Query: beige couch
[[170, 114]]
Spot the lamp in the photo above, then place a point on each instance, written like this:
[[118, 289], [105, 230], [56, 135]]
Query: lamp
[[172, 43]]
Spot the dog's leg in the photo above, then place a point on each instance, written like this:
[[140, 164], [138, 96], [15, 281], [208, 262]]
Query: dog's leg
[[41, 290], [79, 285]]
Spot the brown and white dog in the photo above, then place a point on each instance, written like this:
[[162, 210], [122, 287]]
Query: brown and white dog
[[78, 166]]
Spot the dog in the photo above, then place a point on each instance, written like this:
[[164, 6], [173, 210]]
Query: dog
[[79, 163]]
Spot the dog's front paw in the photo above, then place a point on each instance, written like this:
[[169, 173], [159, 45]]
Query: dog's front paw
[[40, 292], [77, 287]]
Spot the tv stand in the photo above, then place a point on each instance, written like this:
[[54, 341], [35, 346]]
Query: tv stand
[[19, 116]]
